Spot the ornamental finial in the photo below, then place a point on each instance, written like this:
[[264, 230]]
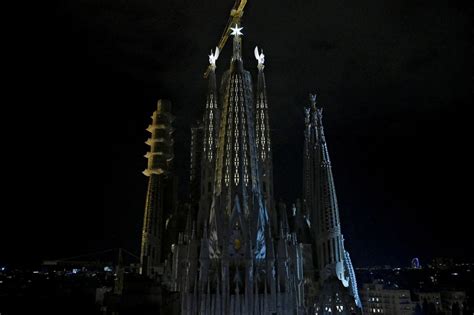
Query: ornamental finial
[[260, 57], [236, 30], [213, 57], [312, 98]]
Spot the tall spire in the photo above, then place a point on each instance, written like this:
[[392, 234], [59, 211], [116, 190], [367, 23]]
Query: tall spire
[[211, 114], [210, 134], [321, 204], [237, 174], [324, 211], [263, 142], [237, 43], [160, 159]]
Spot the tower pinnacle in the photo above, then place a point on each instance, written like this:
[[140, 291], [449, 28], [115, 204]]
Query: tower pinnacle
[[213, 57], [236, 30], [260, 58], [312, 99], [237, 43]]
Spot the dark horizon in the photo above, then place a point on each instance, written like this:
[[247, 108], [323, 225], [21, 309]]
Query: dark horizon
[[393, 79]]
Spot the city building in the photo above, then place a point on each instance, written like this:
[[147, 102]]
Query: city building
[[378, 297], [430, 300], [452, 302]]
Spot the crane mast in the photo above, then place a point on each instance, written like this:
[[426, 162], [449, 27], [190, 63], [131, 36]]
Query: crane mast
[[234, 18]]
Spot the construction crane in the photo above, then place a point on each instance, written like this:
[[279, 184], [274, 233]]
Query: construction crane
[[234, 18]]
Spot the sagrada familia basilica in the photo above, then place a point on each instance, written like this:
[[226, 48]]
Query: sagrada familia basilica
[[231, 249]]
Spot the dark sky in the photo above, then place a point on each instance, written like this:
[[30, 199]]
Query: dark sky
[[394, 78]]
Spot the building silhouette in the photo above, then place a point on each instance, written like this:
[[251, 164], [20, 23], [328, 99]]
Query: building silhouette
[[380, 298], [232, 249]]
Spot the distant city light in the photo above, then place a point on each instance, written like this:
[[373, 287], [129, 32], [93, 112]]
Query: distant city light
[[107, 268]]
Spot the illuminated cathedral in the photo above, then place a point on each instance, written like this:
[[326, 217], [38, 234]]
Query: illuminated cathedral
[[232, 249]]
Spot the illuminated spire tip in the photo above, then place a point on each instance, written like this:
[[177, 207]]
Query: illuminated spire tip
[[259, 56], [213, 57], [236, 30]]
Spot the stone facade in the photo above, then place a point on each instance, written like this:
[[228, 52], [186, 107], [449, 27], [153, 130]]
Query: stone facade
[[239, 252]]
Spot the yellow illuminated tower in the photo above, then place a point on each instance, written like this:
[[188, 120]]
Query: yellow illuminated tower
[[159, 203]]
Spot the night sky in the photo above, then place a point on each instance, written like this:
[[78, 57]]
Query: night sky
[[394, 78]]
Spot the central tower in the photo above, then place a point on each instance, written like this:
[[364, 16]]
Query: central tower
[[237, 202], [235, 253], [237, 262]]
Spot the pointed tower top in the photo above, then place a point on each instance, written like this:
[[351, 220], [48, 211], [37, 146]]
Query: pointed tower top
[[213, 57], [236, 31], [260, 58], [312, 98]]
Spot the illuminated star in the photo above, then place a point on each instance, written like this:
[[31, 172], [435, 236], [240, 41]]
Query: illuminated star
[[236, 31]]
